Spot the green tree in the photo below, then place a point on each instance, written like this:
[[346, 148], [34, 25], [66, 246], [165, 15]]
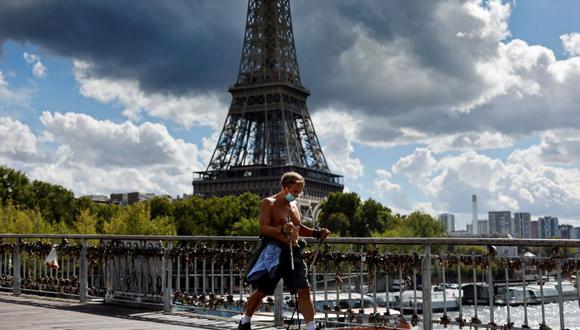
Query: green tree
[[245, 227], [14, 187], [56, 203], [86, 223], [160, 207], [347, 204], [136, 220]]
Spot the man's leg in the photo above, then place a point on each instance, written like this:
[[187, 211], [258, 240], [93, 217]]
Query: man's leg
[[254, 302], [306, 307]]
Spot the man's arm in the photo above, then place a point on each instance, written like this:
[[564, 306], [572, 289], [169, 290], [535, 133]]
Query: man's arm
[[266, 228]]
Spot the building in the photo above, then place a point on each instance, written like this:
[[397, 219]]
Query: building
[[474, 214], [101, 199], [449, 221], [469, 228], [566, 231], [522, 222], [548, 227], [482, 227], [534, 229], [130, 198], [500, 222], [575, 233]]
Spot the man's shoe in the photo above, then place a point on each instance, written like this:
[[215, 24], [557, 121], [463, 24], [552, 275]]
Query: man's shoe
[[247, 326]]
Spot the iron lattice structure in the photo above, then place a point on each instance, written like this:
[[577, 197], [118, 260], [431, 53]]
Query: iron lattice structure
[[268, 130]]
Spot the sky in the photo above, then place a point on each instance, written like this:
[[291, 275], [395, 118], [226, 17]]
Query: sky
[[418, 104]]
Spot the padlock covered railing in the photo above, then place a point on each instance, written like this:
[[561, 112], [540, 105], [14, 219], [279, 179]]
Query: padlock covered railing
[[384, 282]]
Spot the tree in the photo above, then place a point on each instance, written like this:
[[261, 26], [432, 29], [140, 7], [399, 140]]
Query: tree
[[14, 187], [160, 207], [423, 225], [245, 227], [55, 203], [347, 204]]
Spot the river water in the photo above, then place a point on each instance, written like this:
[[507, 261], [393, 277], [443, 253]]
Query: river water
[[552, 316]]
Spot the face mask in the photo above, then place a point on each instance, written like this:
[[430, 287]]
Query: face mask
[[289, 198]]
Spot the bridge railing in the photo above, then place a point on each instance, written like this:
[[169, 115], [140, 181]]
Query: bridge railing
[[385, 282]]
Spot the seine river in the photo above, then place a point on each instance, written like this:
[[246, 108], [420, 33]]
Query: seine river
[[571, 315]]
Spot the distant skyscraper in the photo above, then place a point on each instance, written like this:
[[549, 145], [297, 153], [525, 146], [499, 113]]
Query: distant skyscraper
[[566, 231], [448, 220], [500, 222], [548, 227], [575, 233], [521, 223], [469, 229], [474, 214], [482, 227], [534, 229]]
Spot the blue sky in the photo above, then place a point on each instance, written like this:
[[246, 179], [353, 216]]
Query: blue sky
[[418, 104]]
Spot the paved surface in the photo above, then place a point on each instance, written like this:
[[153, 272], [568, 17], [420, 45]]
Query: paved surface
[[32, 312]]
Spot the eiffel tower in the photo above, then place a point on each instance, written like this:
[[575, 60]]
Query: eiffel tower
[[268, 130]]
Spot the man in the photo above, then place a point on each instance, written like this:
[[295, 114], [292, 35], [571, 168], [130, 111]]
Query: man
[[280, 225]]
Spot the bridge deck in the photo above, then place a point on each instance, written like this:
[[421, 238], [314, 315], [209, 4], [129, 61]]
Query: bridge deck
[[31, 312]]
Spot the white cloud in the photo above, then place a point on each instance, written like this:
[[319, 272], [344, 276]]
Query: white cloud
[[202, 109], [18, 142], [417, 165], [9, 97], [99, 156], [337, 130], [571, 43], [392, 193], [522, 183], [38, 69]]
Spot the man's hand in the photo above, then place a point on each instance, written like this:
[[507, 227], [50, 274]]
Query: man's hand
[[287, 228], [324, 233], [320, 233]]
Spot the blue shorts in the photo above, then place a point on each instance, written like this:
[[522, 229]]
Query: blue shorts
[[293, 280]]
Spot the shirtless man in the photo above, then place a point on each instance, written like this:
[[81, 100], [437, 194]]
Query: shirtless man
[[280, 223]]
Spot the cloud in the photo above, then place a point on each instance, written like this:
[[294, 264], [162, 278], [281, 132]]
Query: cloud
[[521, 183], [390, 192], [336, 130], [9, 97], [38, 69], [174, 47], [571, 43], [442, 74], [203, 110], [417, 165], [18, 142], [97, 156]]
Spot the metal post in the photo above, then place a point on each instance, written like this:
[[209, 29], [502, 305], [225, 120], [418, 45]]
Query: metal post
[[178, 279], [460, 291], [577, 277], [507, 295], [374, 290], [444, 291], [490, 289], [525, 294], [542, 296], [474, 286], [560, 292], [278, 299], [401, 291], [17, 280], [414, 291], [83, 274], [426, 280], [363, 259], [166, 278]]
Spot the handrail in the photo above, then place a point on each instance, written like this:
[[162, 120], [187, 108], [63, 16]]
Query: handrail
[[467, 241]]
